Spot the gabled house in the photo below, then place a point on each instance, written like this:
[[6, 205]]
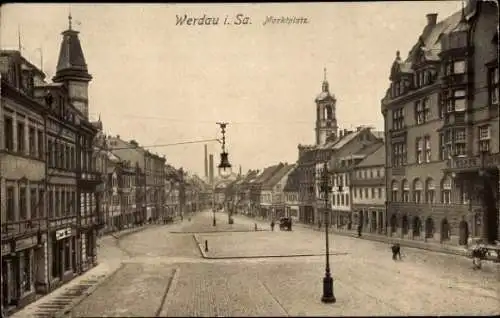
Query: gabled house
[[272, 195], [256, 198], [291, 193]]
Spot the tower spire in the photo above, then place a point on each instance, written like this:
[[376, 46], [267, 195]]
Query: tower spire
[[325, 82], [19, 46], [70, 18]]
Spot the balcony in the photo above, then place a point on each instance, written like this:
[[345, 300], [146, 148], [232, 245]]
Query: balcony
[[465, 164], [454, 79], [88, 182], [23, 228]]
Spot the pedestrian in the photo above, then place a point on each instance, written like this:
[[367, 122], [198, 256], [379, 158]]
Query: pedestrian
[[396, 251], [255, 226], [478, 254], [272, 225], [360, 228]]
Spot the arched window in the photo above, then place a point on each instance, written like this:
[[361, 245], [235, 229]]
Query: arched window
[[429, 190], [446, 190], [417, 190], [394, 190], [406, 190]]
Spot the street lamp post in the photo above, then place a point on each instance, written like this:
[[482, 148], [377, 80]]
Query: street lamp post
[[224, 167], [328, 296]]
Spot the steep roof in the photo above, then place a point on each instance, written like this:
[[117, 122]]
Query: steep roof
[[292, 183], [276, 177], [376, 158], [266, 174], [71, 61]]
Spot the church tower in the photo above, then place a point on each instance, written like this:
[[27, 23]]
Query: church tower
[[72, 70], [326, 121]]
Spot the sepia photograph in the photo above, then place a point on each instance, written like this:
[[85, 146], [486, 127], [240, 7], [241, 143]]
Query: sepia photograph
[[250, 159]]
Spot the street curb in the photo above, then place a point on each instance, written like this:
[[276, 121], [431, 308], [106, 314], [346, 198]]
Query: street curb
[[204, 255], [167, 290], [402, 242], [208, 232], [89, 292], [202, 252], [273, 256]]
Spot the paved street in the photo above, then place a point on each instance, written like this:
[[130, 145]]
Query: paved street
[[164, 274]]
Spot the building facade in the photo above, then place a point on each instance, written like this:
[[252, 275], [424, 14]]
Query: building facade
[[291, 193], [441, 124], [49, 178], [367, 180], [22, 183]]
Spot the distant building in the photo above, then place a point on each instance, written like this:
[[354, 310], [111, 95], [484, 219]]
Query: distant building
[[367, 182]]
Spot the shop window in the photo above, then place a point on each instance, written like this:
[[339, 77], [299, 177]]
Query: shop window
[[67, 256], [26, 281]]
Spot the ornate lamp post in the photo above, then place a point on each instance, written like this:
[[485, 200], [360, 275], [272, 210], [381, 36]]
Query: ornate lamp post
[[328, 296], [224, 167]]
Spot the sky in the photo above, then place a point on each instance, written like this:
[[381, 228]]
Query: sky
[[161, 83]]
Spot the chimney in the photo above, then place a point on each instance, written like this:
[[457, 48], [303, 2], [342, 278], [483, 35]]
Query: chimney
[[206, 163], [431, 18], [211, 169]]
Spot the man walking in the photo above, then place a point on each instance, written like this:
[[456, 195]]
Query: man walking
[[396, 251]]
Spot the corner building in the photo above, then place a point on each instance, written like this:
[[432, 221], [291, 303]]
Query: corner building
[[441, 126]]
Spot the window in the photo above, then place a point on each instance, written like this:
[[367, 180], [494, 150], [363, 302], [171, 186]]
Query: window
[[355, 192], [31, 138], [347, 199], [493, 85], [33, 205], [458, 67], [446, 190], [379, 193], [442, 104], [366, 193], [73, 202], [459, 100], [460, 142], [398, 119], [406, 191], [398, 154], [57, 204], [484, 138], [50, 154], [72, 158], [50, 203], [429, 191], [22, 203], [417, 191], [360, 193], [67, 157], [373, 193], [11, 214], [20, 138], [419, 112], [443, 147], [9, 133], [419, 150], [427, 142], [394, 192], [41, 203], [40, 145]]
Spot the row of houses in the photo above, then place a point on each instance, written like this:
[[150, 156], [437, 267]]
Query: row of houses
[[63, 180], [432, 173]]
